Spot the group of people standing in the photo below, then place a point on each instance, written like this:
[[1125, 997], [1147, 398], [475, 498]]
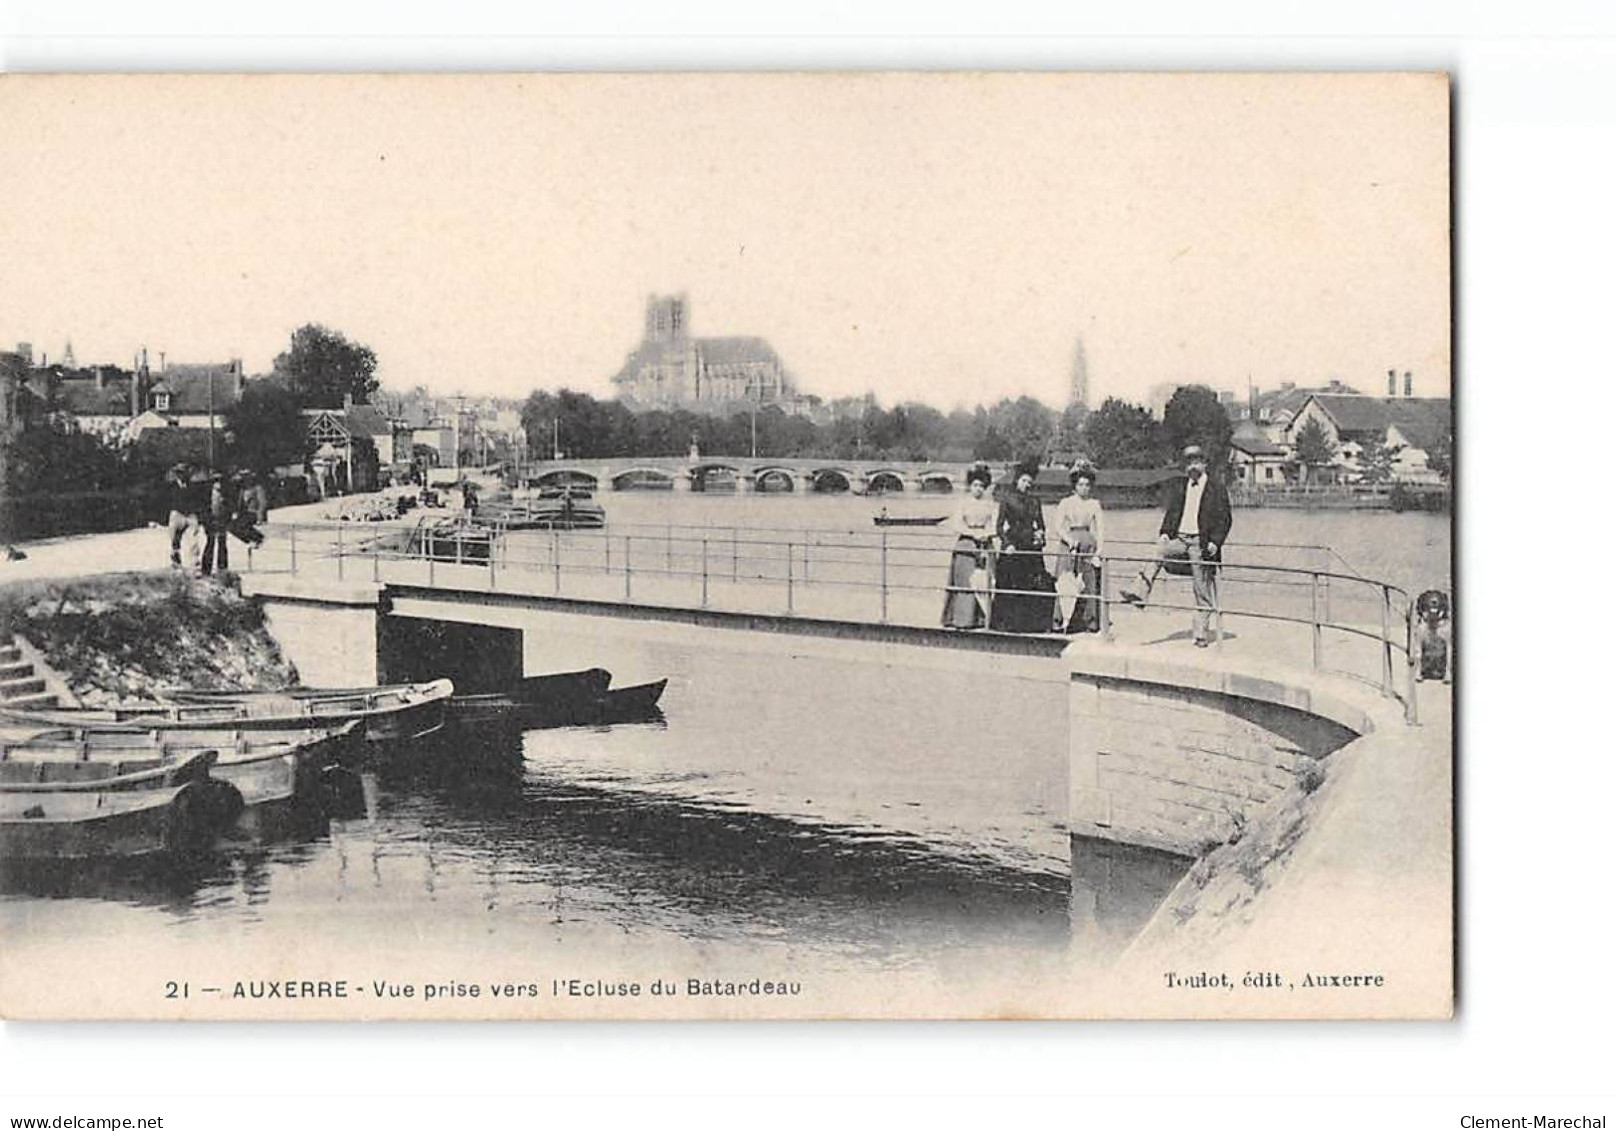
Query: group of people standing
[[206, 506], [998, 575]]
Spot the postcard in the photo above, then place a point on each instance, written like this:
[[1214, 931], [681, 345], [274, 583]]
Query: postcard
[[708, 546]]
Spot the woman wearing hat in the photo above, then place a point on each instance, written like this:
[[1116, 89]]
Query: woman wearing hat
[[973, 522], [1021, 579], [1079, 524]]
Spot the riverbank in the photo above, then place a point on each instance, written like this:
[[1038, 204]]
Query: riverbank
[[128, 635], [1348, 875]]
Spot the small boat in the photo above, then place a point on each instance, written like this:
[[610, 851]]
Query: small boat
[[567, 699], [52, 810], [274, 773], [463, 540], [562, 508], [909, 520], [398, 711]]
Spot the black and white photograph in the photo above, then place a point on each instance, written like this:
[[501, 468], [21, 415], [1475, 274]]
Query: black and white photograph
[[705, 546]]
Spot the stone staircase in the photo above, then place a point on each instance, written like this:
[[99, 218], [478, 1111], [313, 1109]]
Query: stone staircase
[[26, 681]]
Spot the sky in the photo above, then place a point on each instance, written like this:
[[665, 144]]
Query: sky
[[945, 238]]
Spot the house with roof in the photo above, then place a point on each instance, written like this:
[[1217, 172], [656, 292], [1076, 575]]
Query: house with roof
[[343, 437], [1254, 459], [1415, 426]]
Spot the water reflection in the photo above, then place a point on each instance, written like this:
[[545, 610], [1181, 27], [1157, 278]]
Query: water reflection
[[517, 834]]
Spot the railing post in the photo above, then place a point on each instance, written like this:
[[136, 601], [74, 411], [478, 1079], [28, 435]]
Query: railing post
[[1217, 603], [993, 584], [628, 566], [1318, 630], [734, 555], [1386, 639], [339, 551], [608, 540], [376, 562], [1106, 633], [883, 577], [790, 582], [704, 571], [1411, 707], [555, 556], [667, 547]]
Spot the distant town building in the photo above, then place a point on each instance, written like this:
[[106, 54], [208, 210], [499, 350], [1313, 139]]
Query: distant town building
[[1416, 426], [1079, 393], [670, 369]]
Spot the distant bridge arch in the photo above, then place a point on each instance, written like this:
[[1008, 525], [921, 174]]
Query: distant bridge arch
[[575, 477], [715, 476], [833, 480], [936, 482], [885, 480], [775, 478], [643, 479]]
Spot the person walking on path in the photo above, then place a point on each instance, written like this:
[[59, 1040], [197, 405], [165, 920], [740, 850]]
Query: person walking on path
[[221, 510], [963, 607], [184, 509], [1195, 526], [1080, 526]]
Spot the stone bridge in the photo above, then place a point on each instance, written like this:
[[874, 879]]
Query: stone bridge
[[734, 473]]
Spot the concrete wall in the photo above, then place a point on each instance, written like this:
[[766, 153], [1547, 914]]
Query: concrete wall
[[1173, 767], [328, 631]]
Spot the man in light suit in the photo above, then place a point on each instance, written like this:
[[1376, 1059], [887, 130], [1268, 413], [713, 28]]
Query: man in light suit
[[1194, 526]]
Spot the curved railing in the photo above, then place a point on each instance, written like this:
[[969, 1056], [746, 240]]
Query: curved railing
[[1356, 626]]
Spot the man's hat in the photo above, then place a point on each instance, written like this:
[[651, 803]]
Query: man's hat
[[1193, 452]]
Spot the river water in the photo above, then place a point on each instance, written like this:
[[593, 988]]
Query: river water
[[889, 818]]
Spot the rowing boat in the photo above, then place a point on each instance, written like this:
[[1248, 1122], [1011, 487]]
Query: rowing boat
[[104, 810], [278, 774], [399, 711], [569, 699]]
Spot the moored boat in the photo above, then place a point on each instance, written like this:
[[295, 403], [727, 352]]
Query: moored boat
[[909, 520], [277, 774], [554, 509], [390, 713], [55, 810], [567, 699]]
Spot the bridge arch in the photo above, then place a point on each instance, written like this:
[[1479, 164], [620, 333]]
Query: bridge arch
[[832, 480], [775, 478], [936, 482], [715, 476], [643, 479], [574, 477], [885, 480]]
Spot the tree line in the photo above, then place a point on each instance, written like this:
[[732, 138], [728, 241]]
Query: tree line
[[1117, 434]]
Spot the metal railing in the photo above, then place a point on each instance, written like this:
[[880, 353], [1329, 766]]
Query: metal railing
[[887, 577]]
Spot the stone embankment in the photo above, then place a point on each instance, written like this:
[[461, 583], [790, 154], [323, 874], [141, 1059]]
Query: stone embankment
[[1346, 876]]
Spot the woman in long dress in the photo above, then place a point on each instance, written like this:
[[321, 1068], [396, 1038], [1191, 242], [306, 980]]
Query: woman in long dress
[[1020, 581], [1080, 527], [973, 523]]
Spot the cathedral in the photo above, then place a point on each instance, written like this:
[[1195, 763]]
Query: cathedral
[[670, 369]]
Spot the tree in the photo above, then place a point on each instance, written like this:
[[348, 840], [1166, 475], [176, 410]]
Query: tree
[[321, 367], [1194, 415], [1124, 435], [1440, 459], [1376, 460], [266, 426], [1313, 446]]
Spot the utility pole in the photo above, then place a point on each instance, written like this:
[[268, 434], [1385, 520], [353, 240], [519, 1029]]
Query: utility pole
[[212, 466]]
